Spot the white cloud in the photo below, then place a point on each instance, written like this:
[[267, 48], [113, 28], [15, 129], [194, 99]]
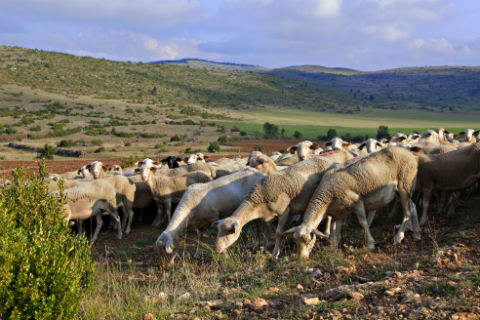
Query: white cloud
[[325, 8]]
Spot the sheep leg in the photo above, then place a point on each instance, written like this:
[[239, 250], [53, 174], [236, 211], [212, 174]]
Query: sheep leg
[[425, 202], [414, 218], [409, 211], [362, 219], [168, 209], [337, 232], [99, 220], [394, 209], [80, 228], [282, 220], [328, 226], [158, 217], [116, 217], [199, 238], [130, 218], [371, 216]]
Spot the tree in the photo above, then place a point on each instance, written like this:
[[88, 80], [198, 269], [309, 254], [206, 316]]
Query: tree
[[382, 132], [331, 133], [271, 130], [297, 135], [213, 147]]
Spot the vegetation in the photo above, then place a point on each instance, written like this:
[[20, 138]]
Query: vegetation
[[44, 270]]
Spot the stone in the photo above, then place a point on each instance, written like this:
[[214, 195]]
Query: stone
[[393, 291], [258, 304], [356, 295], [184, 296], [316, 273], [299, 287], [156, 298], [464, 316], [310, 300], [148, 316]]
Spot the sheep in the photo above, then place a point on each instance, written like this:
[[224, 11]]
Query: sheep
[[413, 137], [53, 184], [169, 189], [286, 160], [275, 155], [338, 155], [92, 199], [368, 184], [277, 195], [125, 189], [437, 136], [336, 144], [468, 135], [305, 149], [197, 157], [147, 162], [84, 172], [202, 204], [173, 162], [198, 166], [448, 172], [398, 138], [370, 145], [115, 169], [263, 164], [97, 169]]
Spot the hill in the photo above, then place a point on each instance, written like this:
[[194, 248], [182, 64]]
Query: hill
[[200, 63], [429, 88]]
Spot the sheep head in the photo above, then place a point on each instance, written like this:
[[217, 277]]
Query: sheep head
[[228, 231]]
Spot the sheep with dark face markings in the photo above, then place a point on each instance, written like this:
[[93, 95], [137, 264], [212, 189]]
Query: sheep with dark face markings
[[368, 184], [205, 203], [277, 195]]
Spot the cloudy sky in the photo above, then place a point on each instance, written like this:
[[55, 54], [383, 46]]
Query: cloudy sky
[[360, 34]]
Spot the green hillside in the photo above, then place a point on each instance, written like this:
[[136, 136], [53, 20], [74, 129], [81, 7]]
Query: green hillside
[[450, 89], [164, 84]]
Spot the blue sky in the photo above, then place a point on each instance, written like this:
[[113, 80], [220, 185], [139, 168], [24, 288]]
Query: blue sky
[[359, 34]]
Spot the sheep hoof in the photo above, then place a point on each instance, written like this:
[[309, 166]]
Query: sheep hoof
[[399, 237]]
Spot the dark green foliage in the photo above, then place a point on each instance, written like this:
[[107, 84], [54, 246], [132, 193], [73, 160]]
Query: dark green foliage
[[222, 140], [98, 150], [259, 147], [47, 152], [271, 131], [382, 132], [129, 162], [297, 135], [175, 138], [44, 268], [213, 147], [331, 133]]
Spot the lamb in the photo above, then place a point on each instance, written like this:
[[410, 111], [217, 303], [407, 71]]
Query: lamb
[[92, 199], [447, 172], [367, 184], [277, 195], [169, 189], [205, 203]]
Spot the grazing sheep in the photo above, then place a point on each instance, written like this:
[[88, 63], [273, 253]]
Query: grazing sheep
[[169, 189], [451, 171], [277, 195], [205, 203], [368, 184], [92, 199]]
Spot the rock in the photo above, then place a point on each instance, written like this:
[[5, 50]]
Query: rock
[[393, 291], [356, 295], [411, 297], [342, 270], [148, 316], [184, 296], [300, 287], [211, 304], [258, 304], [236, 312], [247, 302], [310, 300], [316, 273], [239, 304], [273, 289], [156, 298]]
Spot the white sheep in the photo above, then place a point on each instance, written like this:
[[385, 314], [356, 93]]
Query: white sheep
[[205, 203], [368, 184], [370, 145], [277, 195], [197, 157], [92, 199], [169, 189], [305, 149], [97, 169]]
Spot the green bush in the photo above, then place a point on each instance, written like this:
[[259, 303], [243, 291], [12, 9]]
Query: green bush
[[44, 268], [213, 147], [259, 147], [47, 152]]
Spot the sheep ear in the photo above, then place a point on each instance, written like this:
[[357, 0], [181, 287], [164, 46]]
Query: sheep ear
[[178, 159], [456, 135], [388, 138], [104, 168], [461, 133], [345, 145], [137, 170], [402, 138], [291, 230], [415, 149], [320, 234], [156, 163], [293, 149], [314, 146], [476, 132], [185, 159], [361, 146], [88, 166], [233, 229], [79, 171], [328, 144], [446, 131], [379, 145], [153, 169], [205, 158], [164, 161], [216, 223]]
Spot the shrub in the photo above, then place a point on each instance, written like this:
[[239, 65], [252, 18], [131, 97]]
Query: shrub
[[47, 152], [222, 139], [297, 135], [382, 132], [44, 269], [213, 147], [259, 147], [98, 150], [175, 138]]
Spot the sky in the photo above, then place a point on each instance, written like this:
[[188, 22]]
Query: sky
[[358, 34]]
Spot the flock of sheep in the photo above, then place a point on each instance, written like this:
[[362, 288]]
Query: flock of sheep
[[307, 185]]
